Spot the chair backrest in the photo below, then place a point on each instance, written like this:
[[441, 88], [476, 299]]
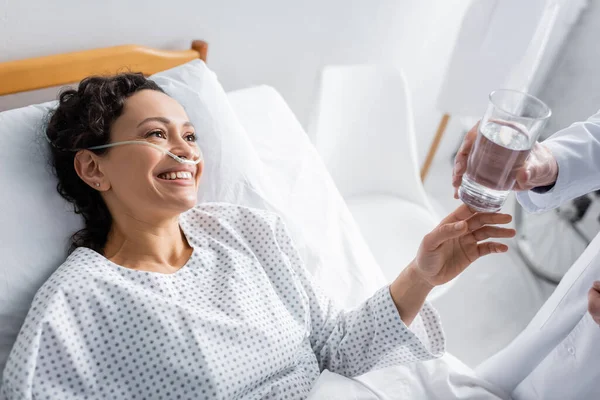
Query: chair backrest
[[363, 129]]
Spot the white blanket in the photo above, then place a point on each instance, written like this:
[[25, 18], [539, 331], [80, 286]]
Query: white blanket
[[445, 378]]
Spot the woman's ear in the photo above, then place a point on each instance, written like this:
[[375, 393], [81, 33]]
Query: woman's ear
[[87, 166]]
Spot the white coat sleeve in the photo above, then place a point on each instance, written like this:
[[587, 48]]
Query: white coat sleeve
[[577, 151]]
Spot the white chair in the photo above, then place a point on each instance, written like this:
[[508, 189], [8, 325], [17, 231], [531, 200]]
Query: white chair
[[363, 129]]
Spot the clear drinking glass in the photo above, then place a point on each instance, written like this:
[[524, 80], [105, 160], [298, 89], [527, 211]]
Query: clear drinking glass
[[506, 134]]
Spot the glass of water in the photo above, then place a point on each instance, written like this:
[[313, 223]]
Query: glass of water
[[506, 134]]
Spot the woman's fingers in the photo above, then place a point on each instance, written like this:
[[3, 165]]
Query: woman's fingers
[[476, 220], [482, 219], [449, 231], [488, 232], [443, 233], [460, 214], [490, 247], [464, 220]]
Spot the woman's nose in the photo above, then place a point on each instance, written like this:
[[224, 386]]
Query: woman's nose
[[185, 149]]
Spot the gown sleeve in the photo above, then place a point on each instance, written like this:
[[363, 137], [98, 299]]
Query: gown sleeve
[[373, 335]]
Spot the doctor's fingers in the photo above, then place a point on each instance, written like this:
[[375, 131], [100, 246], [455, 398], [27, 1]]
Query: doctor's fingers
[[460, 161], [540, 169], [522, 180], [533, 175], [594, 304]]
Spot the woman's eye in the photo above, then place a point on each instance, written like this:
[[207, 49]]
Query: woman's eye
[[157, 133], [191, 137]]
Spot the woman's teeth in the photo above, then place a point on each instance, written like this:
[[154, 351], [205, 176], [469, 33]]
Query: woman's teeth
[[176, 175]]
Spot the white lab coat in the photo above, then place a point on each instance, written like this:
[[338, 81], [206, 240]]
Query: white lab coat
[[558, 355]]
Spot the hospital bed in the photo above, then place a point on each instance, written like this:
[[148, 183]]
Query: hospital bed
[[261, 157]]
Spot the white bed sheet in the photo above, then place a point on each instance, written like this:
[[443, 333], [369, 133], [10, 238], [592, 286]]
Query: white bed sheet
[[442, 379]]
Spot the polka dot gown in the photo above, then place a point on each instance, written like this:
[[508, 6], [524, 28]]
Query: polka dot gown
[[241, 319]]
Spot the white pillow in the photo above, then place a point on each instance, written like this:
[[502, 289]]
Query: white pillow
[[37, 223], [294, 182]]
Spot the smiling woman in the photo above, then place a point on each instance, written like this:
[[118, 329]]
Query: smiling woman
[[104, 112], [163, 297]]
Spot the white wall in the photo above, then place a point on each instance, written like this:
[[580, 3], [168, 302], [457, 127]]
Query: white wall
[[280, 43]]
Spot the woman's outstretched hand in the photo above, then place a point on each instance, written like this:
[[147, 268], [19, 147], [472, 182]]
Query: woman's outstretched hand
[[456, 242]]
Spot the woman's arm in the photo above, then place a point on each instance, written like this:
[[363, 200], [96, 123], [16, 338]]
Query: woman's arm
[[409, 292], [376, 334], [446, 252], [353, 342]]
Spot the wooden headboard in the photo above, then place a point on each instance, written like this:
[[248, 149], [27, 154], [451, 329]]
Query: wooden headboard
[[43, 72]]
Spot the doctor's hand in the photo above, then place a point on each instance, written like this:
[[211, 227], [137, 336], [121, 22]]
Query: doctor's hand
[[594, 302], [540, 169], [457, 242]]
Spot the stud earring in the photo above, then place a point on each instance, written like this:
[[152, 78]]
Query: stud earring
[[97, 184]]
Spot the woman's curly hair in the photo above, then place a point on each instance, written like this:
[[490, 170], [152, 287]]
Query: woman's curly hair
[[83, 119]]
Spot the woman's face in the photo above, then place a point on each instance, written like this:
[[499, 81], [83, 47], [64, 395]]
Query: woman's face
[[141, 179]]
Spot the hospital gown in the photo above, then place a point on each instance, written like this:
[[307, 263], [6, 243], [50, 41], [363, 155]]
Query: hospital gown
[[241, 319]]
